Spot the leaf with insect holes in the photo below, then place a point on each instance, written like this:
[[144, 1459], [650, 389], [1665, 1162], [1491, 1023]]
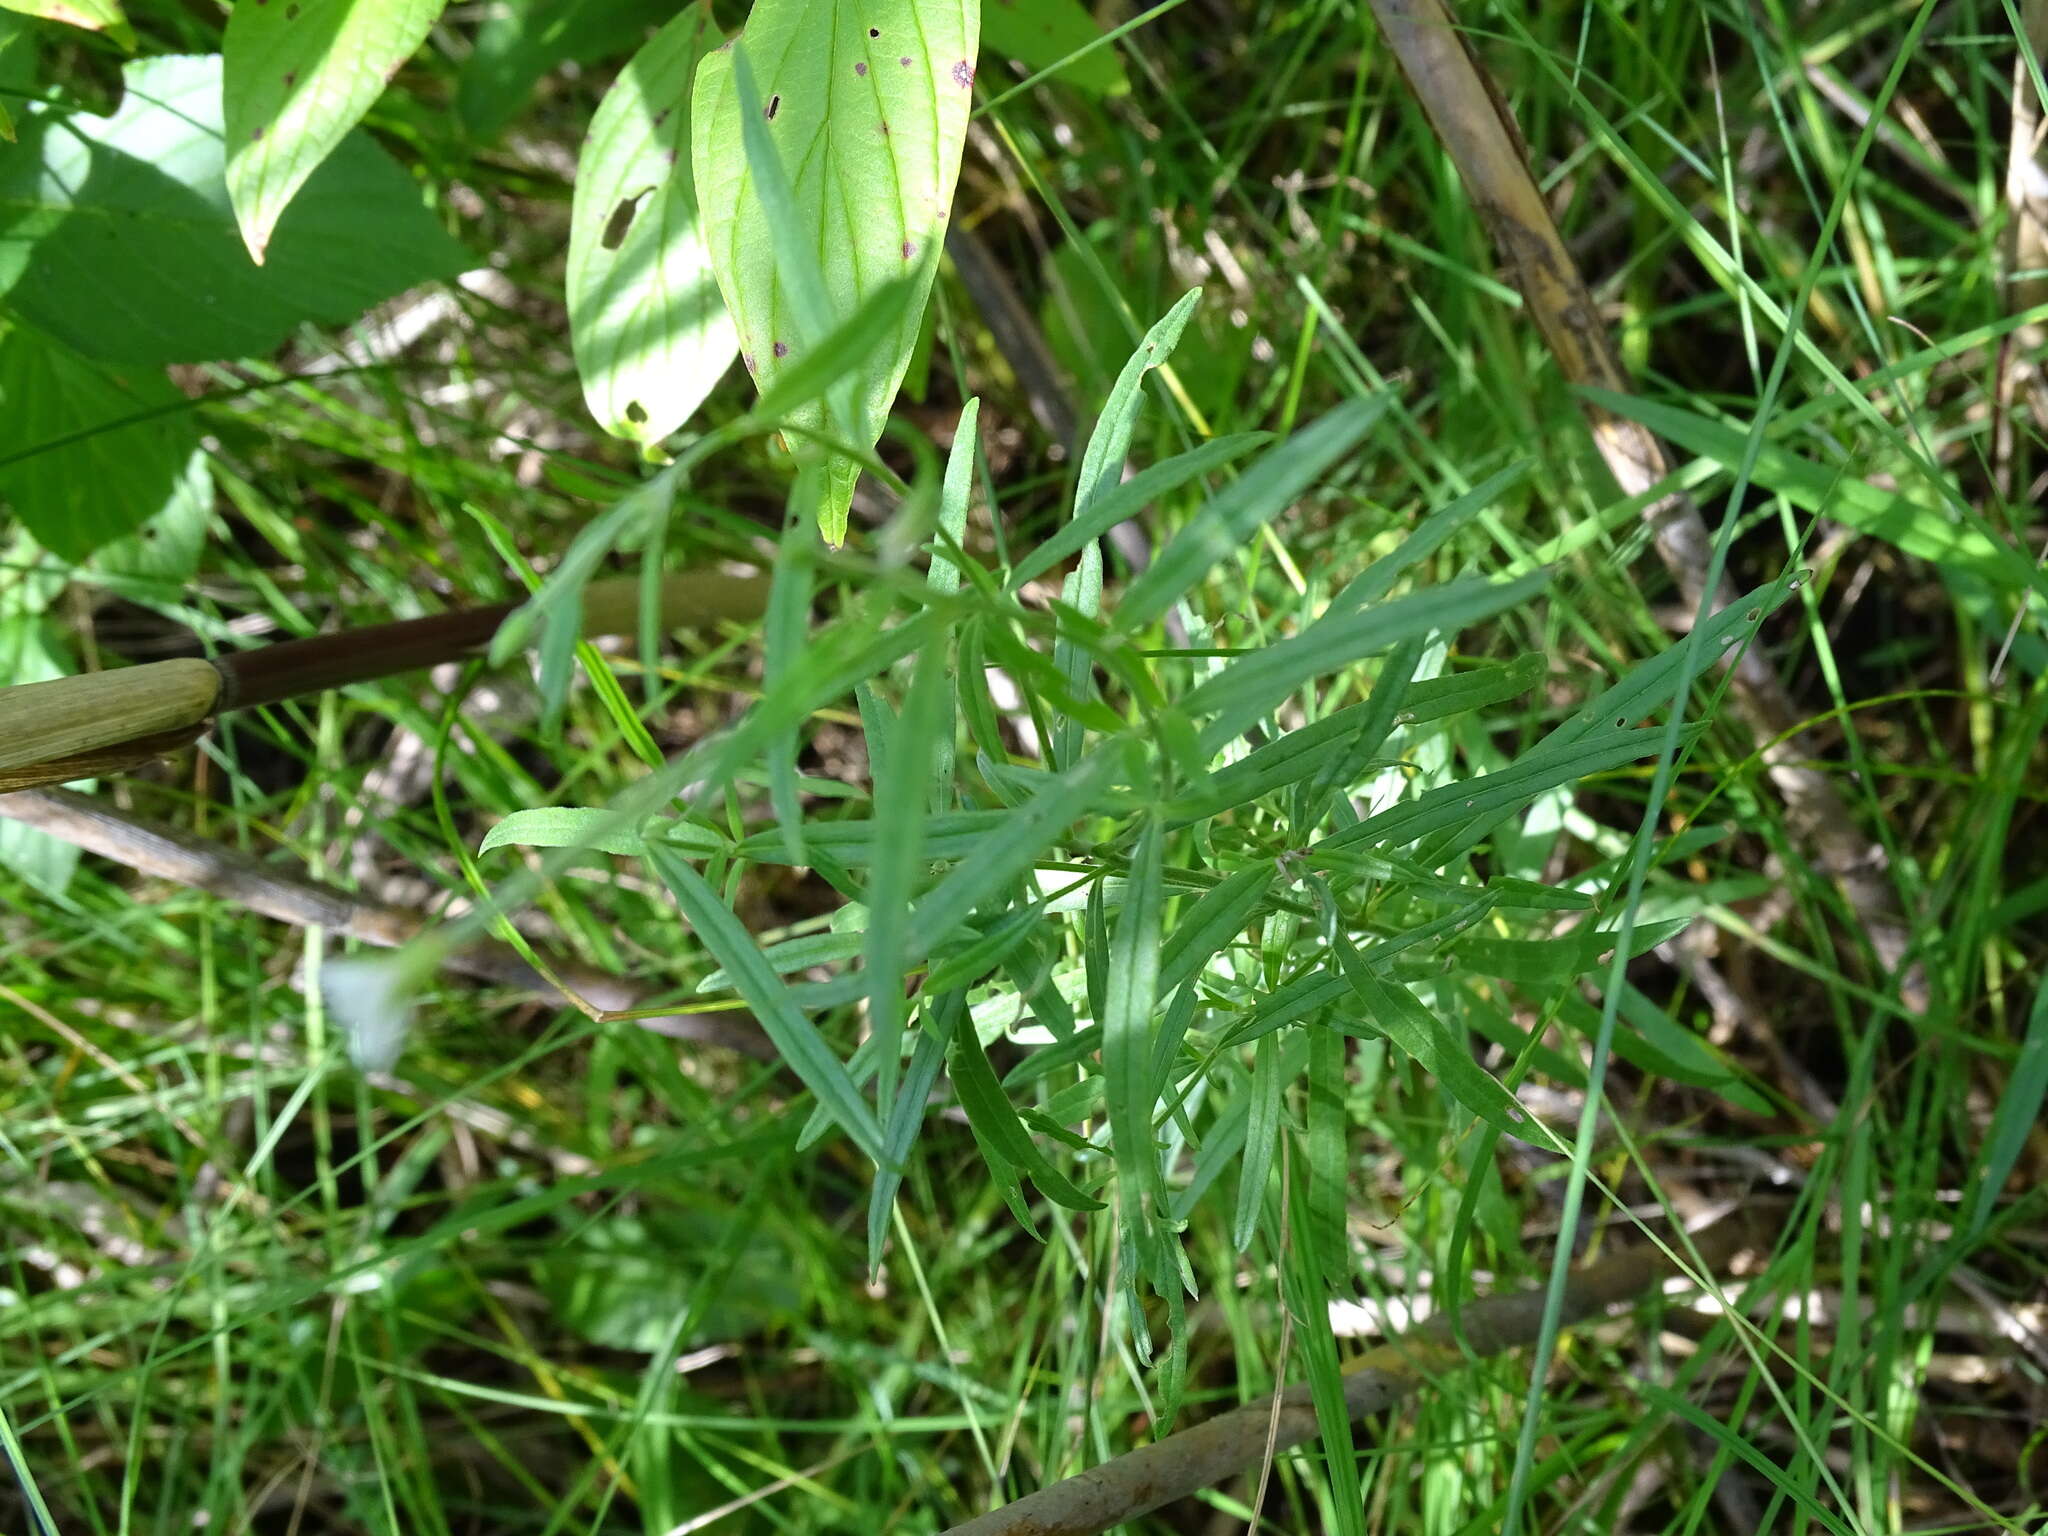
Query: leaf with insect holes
[[297, 75], [650, 332], [863, 110]]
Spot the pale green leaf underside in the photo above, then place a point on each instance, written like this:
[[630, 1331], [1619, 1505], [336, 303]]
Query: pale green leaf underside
[[867, 108], [298, 75], [648, 327]]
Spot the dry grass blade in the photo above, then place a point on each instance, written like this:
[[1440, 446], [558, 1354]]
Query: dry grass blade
[[1143, 1480], [1474, 126]]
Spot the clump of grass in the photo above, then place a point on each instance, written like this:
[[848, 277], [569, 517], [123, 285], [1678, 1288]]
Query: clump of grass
[[559, 1274]]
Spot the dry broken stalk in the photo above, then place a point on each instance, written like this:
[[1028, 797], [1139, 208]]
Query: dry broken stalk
[[289, 896], [1193, 1459], [1473, 124]]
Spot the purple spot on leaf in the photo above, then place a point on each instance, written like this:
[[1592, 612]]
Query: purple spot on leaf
[[963, 74], [782, 349], [904, 61], [884, 126], [909, 249], [774, 106], [860, 69], [256, 136], [291, 78], [662, 116], [748, 359]]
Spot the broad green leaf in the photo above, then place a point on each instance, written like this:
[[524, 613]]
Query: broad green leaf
[[88, 451], [649, 330], [177, 286], [1044, 33], [995, 1123], [795, 1038], [1255, 682], [158, 560], [1390, 1009], [90, 15], [1944, 536], [1259, 495], [865, 109], [297, 76], [570, 826], [846, 347], [521, 41]]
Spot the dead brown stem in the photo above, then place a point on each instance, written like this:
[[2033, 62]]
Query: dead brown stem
[[1181, 1464], [1474, 126], [166, 853]]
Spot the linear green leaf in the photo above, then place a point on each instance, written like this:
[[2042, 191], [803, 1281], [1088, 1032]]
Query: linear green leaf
[[573, 826], [1129, 497], [1254, 683], [1424, 540], [1102, 462], [995, 1120], [1206, 929], [1390, 1009], [1261, 1136], [1301, 754], [1259, 495], [1933, 533], [795, 1038], [1130, 1000], [1009, 851], [1452, 805]]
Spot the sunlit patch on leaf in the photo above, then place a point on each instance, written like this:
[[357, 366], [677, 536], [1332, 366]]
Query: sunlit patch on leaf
[[865, 109]]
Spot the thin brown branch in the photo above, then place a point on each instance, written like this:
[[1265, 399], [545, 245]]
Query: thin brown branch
[[289, 896], [1184, 1463], [1473, 123]]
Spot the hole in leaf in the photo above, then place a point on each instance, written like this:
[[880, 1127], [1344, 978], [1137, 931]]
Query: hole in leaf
[[1754, 614], [621, 221], [774, 106], [636, 413]]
